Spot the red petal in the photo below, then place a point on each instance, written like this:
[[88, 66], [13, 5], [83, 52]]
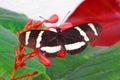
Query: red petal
[[29, 22], [37, 24], [104, 12], [44, 60], [65, 26], [53, 19]]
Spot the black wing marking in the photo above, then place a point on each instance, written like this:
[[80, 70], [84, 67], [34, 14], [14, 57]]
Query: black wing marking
[[44, 40], [77, 37]]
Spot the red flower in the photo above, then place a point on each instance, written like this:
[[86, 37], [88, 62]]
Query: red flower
[[104, 12]]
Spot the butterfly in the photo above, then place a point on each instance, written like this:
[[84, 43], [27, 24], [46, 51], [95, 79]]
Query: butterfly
[[72, 40]]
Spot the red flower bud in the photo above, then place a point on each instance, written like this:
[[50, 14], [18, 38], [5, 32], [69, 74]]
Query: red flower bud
[[61, 54]]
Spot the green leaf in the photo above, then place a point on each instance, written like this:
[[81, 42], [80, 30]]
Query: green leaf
[[100, 63], [12, 20], [8, 41]]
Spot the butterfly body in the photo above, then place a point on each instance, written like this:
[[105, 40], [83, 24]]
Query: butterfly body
[[72, 40]]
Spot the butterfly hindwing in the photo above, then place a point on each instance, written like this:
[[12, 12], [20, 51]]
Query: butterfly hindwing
[[50, 45], [74, 43]]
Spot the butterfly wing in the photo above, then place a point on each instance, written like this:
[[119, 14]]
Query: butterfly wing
[[73, 40], [46, 41], [77, 37], [50, 45]]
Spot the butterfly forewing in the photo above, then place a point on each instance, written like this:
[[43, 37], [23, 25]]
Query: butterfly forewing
[[29, 38], [46, 41], [89, 31], [77, 37]]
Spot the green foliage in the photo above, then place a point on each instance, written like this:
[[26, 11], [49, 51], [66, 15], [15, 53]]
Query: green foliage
[[12, 20], [99, 63]]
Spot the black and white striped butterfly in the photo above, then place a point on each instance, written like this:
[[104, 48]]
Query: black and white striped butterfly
[[72, 40]]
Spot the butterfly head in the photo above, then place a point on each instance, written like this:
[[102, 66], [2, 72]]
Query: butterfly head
[[58, 29]]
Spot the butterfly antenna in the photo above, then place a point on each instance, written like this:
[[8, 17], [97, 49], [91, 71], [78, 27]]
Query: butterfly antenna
[[65, 17], [42, 17]]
